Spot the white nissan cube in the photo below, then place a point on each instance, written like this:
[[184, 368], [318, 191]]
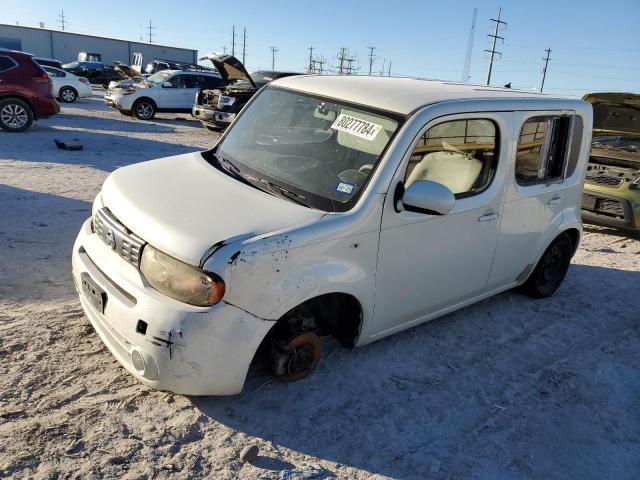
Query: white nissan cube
[[352, 207]]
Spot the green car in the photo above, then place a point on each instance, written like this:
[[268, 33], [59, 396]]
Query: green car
[[611, 194]]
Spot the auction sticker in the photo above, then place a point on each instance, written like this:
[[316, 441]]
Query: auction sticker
[[344, 187], [357, 127]]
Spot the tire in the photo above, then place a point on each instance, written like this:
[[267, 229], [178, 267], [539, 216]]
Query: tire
[[68, 94], [551, 269], [126, 113], [144, 109], [15, 115]]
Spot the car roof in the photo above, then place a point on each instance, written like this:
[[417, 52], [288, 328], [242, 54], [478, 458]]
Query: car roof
[[191, 72], [401, 95]]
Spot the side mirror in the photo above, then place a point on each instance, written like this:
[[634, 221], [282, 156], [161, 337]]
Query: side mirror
[[167, 85], [425, 196]]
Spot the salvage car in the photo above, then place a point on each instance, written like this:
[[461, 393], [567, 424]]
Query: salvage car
[[66, 86], [165, 91], [612, 184], [216, 108], [330, 207], [96, 72], [25, 91]]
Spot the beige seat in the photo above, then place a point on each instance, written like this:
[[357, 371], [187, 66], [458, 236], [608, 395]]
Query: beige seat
[[456, 171]]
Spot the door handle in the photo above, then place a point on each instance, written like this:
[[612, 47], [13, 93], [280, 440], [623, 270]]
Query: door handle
[[554, 201], [488, 217]]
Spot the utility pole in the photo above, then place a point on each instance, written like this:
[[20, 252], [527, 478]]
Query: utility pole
[[224, 49], [310, 68], [341, 59], [233, 40], [244, 41], [544, 70], [467, 59], [371, 57], [384, 61], [274, 50], [495, 37], [151, 28], [61, 20], [389, 69]]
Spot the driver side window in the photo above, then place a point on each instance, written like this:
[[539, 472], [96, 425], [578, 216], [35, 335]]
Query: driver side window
[[459, 154], [178, 81]]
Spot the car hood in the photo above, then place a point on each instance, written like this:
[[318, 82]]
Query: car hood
[[229, 67], [183, 206], [126, 71], [616, 127]]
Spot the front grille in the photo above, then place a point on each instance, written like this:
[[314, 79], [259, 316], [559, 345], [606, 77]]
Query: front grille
[[612, 208], [605, 180], [117, 237]]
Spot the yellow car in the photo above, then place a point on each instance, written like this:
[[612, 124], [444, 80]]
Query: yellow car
[[611, 194]]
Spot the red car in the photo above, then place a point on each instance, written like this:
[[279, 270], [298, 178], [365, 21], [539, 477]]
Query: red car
[[25, 91]]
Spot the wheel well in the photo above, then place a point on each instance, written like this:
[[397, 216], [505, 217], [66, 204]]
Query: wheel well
[[574, 234], [25, 100], [69, 86], [150, 100], [335, 314]]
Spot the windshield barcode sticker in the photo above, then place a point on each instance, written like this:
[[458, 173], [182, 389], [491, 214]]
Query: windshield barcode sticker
[[344, 187], [357, 127]]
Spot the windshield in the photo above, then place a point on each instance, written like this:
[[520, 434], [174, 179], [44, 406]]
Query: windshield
[[158, 78], [314, 151]]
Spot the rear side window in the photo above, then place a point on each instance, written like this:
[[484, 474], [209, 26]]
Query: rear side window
[[6, 63], [460, 154], [543, 149]]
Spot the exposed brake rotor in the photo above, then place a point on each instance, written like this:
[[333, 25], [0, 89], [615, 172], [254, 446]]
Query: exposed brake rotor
[[298, 358]]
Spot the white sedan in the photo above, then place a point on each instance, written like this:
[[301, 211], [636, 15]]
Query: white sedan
[[67, 87]]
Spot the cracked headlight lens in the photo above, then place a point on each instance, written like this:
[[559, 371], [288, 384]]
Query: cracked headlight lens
[[180, 281]]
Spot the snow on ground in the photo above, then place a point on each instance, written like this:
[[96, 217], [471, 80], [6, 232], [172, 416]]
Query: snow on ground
[[508, 388]]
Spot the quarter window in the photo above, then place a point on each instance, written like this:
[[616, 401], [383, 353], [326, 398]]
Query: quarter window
[[542, 149], [6, 63], [460, 154]]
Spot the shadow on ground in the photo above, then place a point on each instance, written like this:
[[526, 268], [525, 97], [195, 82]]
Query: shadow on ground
[[37, 231], [507, 388]]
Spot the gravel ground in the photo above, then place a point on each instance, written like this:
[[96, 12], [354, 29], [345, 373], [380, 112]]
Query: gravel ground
[[508, 388]]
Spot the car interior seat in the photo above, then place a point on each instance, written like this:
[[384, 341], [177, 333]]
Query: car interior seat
[[455, 170]]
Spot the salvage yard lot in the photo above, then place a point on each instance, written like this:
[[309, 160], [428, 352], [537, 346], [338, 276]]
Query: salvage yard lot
[[508, 388]]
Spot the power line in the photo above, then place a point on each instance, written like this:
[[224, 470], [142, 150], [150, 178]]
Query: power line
[[544, 69], [467, 58], [371, 58], [61, 21], [274, 50], [495, 37], [151, 34], [346, 63]]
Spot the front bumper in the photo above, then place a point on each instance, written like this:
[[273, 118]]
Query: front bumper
[[211, 116], [609, 210], [185, 349]]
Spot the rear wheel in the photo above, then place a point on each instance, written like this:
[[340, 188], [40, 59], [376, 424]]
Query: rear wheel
[[68, 94], [15, 115], [144, 109], [551, 269]]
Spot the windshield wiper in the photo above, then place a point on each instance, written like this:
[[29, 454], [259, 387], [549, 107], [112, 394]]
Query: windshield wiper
[[274, 188]]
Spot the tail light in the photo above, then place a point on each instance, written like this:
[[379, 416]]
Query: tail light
[[128, 91], [84, 80], [41, 78]]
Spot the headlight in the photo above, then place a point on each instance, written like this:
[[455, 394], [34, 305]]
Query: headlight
[[225, 101], [180, 281]]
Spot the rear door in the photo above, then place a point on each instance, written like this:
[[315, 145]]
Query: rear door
[[535, 194]]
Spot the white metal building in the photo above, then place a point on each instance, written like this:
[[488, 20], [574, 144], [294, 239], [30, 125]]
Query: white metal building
[[65, 46]]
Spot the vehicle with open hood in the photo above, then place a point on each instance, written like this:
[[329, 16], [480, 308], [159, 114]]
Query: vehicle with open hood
[[612, 184], [216, 108], [331, 207], [165, 91]]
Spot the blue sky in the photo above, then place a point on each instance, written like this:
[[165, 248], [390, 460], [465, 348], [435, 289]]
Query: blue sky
[[595, 45]]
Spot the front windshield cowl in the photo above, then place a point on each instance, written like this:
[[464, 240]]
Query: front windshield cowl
[[310, 150]]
